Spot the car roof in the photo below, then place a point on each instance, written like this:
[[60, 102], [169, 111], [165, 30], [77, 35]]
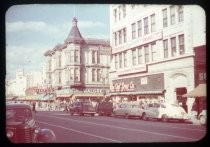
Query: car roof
[[18, 105]]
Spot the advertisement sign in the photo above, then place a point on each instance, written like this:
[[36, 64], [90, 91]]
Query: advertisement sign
[[139, 41]]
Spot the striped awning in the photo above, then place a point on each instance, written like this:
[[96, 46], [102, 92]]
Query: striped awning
[[87, 95], [199, 91], [137, 92]]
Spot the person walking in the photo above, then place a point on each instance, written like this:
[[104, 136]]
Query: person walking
[[34, 106]]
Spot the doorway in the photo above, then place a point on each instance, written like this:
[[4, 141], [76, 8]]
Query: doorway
[[182, 101]]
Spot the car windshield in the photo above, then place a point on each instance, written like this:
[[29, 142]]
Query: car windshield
[[18, 114]]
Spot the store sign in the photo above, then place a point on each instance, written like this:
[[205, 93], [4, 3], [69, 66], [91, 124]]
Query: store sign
[[93, 91], [136, 69], [139, 41]]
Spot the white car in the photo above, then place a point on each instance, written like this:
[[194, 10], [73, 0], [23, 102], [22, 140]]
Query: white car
[[165, 112], [202, 117], [128, 109]]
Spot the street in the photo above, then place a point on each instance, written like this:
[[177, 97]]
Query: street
[[103, 129]]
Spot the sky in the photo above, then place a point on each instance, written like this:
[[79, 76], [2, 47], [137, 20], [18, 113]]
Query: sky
[[33, 29]]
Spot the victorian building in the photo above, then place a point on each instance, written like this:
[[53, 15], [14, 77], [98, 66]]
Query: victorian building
[[79, 67], [153, 51]]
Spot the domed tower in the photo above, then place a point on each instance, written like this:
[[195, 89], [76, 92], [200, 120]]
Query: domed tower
[[75, 44], [74, 35]]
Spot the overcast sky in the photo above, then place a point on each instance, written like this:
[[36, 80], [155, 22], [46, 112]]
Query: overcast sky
[[33, 29]]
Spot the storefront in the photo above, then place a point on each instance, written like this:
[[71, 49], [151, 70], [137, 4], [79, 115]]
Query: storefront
[[92, 93], [198, 94], [147, 88]]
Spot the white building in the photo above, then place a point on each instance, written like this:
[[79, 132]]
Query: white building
[[153, 50], [34, 79], [17, 86]]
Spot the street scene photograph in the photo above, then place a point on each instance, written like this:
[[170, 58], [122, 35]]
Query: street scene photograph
[[105, 73]]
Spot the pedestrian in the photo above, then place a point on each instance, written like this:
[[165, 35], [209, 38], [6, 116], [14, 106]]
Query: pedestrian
[[34, 106]]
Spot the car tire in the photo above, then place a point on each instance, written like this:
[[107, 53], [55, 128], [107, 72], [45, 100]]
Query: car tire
[[202, 120], [114, 114], [144, 116], [164, 118]]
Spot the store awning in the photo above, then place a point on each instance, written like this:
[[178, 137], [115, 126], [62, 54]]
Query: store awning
[[199, 91], [87, 95], [64, 96], [137, 92]]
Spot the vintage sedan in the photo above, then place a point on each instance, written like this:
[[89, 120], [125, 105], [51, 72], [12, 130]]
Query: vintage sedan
[[128, 110], [165, 112], [105, 108], [81, 108], [21, 126]]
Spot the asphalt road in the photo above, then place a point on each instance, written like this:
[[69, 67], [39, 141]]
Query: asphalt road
[[103, 129]]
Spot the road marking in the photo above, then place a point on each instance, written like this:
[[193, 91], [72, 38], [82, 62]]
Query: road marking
[[146, 124], [129, 129], [81, 132]]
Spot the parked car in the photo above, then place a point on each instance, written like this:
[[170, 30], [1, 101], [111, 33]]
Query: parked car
[[165, 112], [21, 126], [128, 110], [82, 108], [202, 117], [105, 108]]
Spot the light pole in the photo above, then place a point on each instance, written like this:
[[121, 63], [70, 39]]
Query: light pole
[[103, 77]]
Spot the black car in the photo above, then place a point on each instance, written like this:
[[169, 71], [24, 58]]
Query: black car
[[21, 126], [81, 108], [105, 108]]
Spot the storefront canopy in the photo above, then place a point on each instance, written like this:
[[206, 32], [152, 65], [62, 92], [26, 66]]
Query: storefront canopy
[[199, 91], [137, 92]]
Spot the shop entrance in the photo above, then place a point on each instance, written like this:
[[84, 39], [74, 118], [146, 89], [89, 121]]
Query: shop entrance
[[182, 101]]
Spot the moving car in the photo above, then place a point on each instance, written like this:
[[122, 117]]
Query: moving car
[[21, 126], [105, 108], [128, 110], [81, 108], [165, 112], [202, 117]]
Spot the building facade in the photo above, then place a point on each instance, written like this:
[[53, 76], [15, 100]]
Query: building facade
[[153, 51], [79, 67], [16, 87]]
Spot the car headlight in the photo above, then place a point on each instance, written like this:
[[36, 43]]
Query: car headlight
[[10, 134], [37, 130]]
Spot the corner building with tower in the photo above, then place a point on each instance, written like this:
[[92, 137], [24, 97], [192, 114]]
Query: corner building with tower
[[79, 67]]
